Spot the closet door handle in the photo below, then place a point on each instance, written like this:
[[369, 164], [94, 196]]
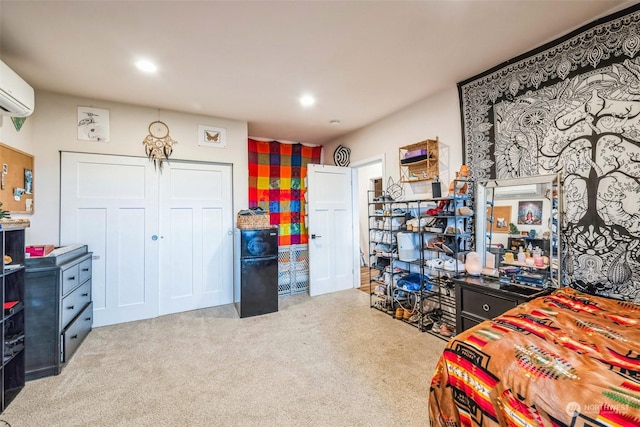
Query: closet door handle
[[71, 307], [72, 278]]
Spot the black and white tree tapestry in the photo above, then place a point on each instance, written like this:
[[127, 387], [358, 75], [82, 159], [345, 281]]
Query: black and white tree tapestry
[[571, 107]]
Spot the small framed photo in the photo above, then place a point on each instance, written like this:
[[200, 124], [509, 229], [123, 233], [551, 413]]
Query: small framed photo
[[210, 136], [524, 233], [530, 213]]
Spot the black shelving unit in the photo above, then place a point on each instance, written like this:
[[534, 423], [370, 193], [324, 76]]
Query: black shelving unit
[[431, 297], [13, 331]]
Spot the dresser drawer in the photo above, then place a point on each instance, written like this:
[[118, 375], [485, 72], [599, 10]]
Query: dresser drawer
[[483, 305], [77, 332], [84, 270], [73, 303], [70, 279]]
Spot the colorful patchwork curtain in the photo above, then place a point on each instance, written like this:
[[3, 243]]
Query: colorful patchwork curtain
[[276, 184]]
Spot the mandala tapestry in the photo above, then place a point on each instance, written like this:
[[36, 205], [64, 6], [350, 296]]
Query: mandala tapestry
[[571, 107]]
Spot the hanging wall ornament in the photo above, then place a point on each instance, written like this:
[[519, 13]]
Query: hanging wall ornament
[[158, 144], [341, 156]]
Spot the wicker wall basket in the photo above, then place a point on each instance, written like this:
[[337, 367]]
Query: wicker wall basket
[[253, 220]]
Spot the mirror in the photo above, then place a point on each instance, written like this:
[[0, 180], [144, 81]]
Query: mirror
[[518, 229]]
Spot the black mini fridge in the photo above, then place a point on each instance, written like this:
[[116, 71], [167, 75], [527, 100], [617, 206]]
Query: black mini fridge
[[256, 271]]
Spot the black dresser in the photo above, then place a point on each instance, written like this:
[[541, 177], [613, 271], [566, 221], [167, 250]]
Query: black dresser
[[479, 299], [59, 310]]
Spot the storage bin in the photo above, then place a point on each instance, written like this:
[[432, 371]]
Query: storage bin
[[407, 247]]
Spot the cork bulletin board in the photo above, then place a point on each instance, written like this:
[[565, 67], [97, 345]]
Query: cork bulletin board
[[16, 180]]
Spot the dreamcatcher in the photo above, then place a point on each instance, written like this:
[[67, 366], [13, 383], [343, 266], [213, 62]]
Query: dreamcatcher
[[158, 144]]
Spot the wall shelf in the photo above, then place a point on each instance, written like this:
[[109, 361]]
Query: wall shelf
[[419, 161]]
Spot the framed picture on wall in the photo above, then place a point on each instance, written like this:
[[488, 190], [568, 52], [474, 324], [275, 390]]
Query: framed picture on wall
[[210, 136], [530, 213], [501, 218], [93, 124]]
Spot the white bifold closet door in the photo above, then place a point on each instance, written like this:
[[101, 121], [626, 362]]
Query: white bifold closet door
[[161, 241]]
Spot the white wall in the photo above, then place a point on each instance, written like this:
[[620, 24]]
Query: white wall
[[436, 116], [52, 128]]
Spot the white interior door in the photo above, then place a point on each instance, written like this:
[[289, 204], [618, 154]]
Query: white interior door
[[331, 225], [110, 203], [196, 236]]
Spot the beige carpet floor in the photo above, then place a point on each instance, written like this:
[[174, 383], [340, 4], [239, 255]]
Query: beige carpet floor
[[324, 361]]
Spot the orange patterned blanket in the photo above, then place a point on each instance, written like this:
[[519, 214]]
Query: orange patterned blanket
[[566, 359]]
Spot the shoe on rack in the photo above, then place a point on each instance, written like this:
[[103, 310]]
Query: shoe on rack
[[438, 263], [454, 265], [399, 312], [434, 211], [407, 315], [465, 211], [415, 318], [436, 327], [439, 226], [450, 230], [429, 306], [447, 330], [427, 324], [433, 242], [448, 246]]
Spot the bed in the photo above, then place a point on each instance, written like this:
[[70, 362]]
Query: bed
[[565, 359]]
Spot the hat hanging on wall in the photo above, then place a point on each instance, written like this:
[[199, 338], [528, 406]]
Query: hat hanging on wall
[[158, 144], [341, 156]]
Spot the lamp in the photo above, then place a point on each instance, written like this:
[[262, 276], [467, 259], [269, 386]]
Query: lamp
[[473, 264]]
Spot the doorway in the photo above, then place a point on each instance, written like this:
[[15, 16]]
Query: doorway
[[371, 175]]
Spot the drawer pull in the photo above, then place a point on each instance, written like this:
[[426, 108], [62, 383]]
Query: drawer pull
[[87, 318], [86, 294], [73, 337], [486, 307], [71, 307], [85, 269], [71, 278]]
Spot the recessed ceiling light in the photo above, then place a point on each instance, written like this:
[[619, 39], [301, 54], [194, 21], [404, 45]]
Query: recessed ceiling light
[[307, 100], [334, 122], [146, 66]]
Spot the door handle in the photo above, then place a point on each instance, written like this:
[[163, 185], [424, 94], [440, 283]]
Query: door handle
[[313, 236]]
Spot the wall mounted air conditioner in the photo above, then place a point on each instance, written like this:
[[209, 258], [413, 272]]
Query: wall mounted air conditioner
[[513, 191], [16, 96]]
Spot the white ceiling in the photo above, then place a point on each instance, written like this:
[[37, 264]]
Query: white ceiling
[[251, 60]]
